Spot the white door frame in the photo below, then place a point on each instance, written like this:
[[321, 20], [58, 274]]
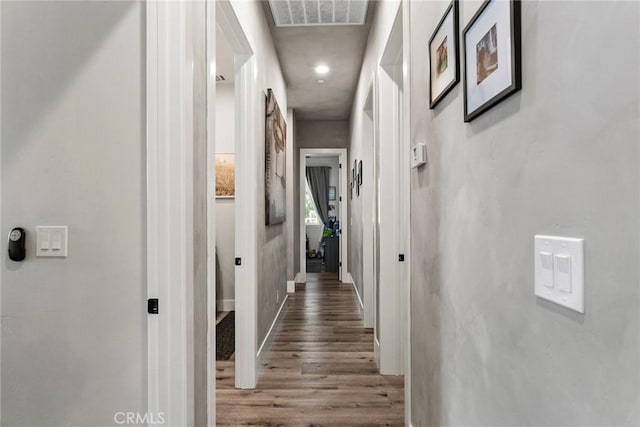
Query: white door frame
[[394, 213], [369, 214], [342, 159], [405, 177], [247, 114], [170, 211]]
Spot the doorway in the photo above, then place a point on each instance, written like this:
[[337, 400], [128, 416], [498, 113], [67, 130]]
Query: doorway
[[225, 149], [323, 237]]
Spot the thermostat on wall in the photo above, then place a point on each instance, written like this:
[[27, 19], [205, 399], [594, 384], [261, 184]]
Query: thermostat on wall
[[418, 155]]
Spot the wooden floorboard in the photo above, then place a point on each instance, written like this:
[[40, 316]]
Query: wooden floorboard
[[320, 372]]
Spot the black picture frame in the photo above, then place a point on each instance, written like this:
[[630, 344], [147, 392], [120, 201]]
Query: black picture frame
[[360, 173], [514, 50], [453, 8]]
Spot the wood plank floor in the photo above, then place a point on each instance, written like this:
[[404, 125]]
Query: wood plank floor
[[321, 370]]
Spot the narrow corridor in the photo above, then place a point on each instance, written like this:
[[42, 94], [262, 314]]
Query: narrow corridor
[[321, 369]]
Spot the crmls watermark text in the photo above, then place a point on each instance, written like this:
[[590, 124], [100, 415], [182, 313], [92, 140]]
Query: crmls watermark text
[[136, 418]]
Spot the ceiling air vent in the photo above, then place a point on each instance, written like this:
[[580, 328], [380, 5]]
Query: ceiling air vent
[[220, 78], [292, 13]]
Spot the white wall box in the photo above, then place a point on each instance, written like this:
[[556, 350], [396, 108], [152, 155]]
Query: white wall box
[[559, 271]]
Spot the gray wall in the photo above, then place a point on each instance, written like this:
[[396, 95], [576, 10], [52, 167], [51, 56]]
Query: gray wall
[[225, 208], [559, 158], [322, 134], [73, 126], [271, 240]]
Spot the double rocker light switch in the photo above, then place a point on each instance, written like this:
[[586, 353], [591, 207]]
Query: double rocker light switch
[[559, 271], [51, 241]]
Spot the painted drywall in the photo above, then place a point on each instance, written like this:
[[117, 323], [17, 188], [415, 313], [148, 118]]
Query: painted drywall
[[314, 232], [272, 240], [322, 134], [225, 208], [73, 153], [560, 158]]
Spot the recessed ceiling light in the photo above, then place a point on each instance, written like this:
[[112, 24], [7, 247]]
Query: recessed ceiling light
[[322, 69], [320, 81]]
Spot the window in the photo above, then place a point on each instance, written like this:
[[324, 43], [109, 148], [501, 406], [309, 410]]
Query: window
[[311, 213]]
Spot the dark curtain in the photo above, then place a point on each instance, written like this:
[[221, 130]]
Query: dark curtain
[[318, 179]]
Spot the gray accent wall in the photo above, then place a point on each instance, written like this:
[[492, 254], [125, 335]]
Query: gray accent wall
[[322, 134], [561, 158], [271, 240], [74, 346]]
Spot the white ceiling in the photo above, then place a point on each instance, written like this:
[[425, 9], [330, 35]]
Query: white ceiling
[[301, 48]]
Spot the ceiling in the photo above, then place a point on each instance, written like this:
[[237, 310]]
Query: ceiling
[[301, 48]]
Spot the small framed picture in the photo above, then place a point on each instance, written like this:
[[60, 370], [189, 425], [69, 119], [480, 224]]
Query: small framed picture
[[444, 51], [492, 66], [360, 173], [332, 193]]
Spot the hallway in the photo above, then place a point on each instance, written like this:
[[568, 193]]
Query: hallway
[[321, 369]]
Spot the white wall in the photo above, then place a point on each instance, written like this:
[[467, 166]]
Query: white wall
[[315, 231], [73, 153], [225, 208], [560, 157], [272, 240]]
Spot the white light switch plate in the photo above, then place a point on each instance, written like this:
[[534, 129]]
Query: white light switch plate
[[52, 241], [564, 284]]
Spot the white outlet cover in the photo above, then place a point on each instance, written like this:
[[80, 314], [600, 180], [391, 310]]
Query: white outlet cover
[[570, 251]]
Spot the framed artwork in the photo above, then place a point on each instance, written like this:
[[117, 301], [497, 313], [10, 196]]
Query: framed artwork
[[275, 157], [225, 176], [332, 193], [492, 66], [359, 173], [444, 51]]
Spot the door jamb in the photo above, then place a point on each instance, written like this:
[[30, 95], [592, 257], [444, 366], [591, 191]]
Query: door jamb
[[246, 161]]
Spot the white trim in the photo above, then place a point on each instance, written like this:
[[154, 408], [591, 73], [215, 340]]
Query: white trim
[[369, 211], [391, 239], [0, 209], [212, 304], [170, 210], [291, 286], [342, 192], [265, 347], [301, 277], [226, 304], [247, 113], [405, 145], [355, 288], [348, 278]]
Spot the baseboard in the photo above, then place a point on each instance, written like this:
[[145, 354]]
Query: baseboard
[[360, 304], [301, 277], [291, 286], [347, 278], [226, 305], [264, 349]]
